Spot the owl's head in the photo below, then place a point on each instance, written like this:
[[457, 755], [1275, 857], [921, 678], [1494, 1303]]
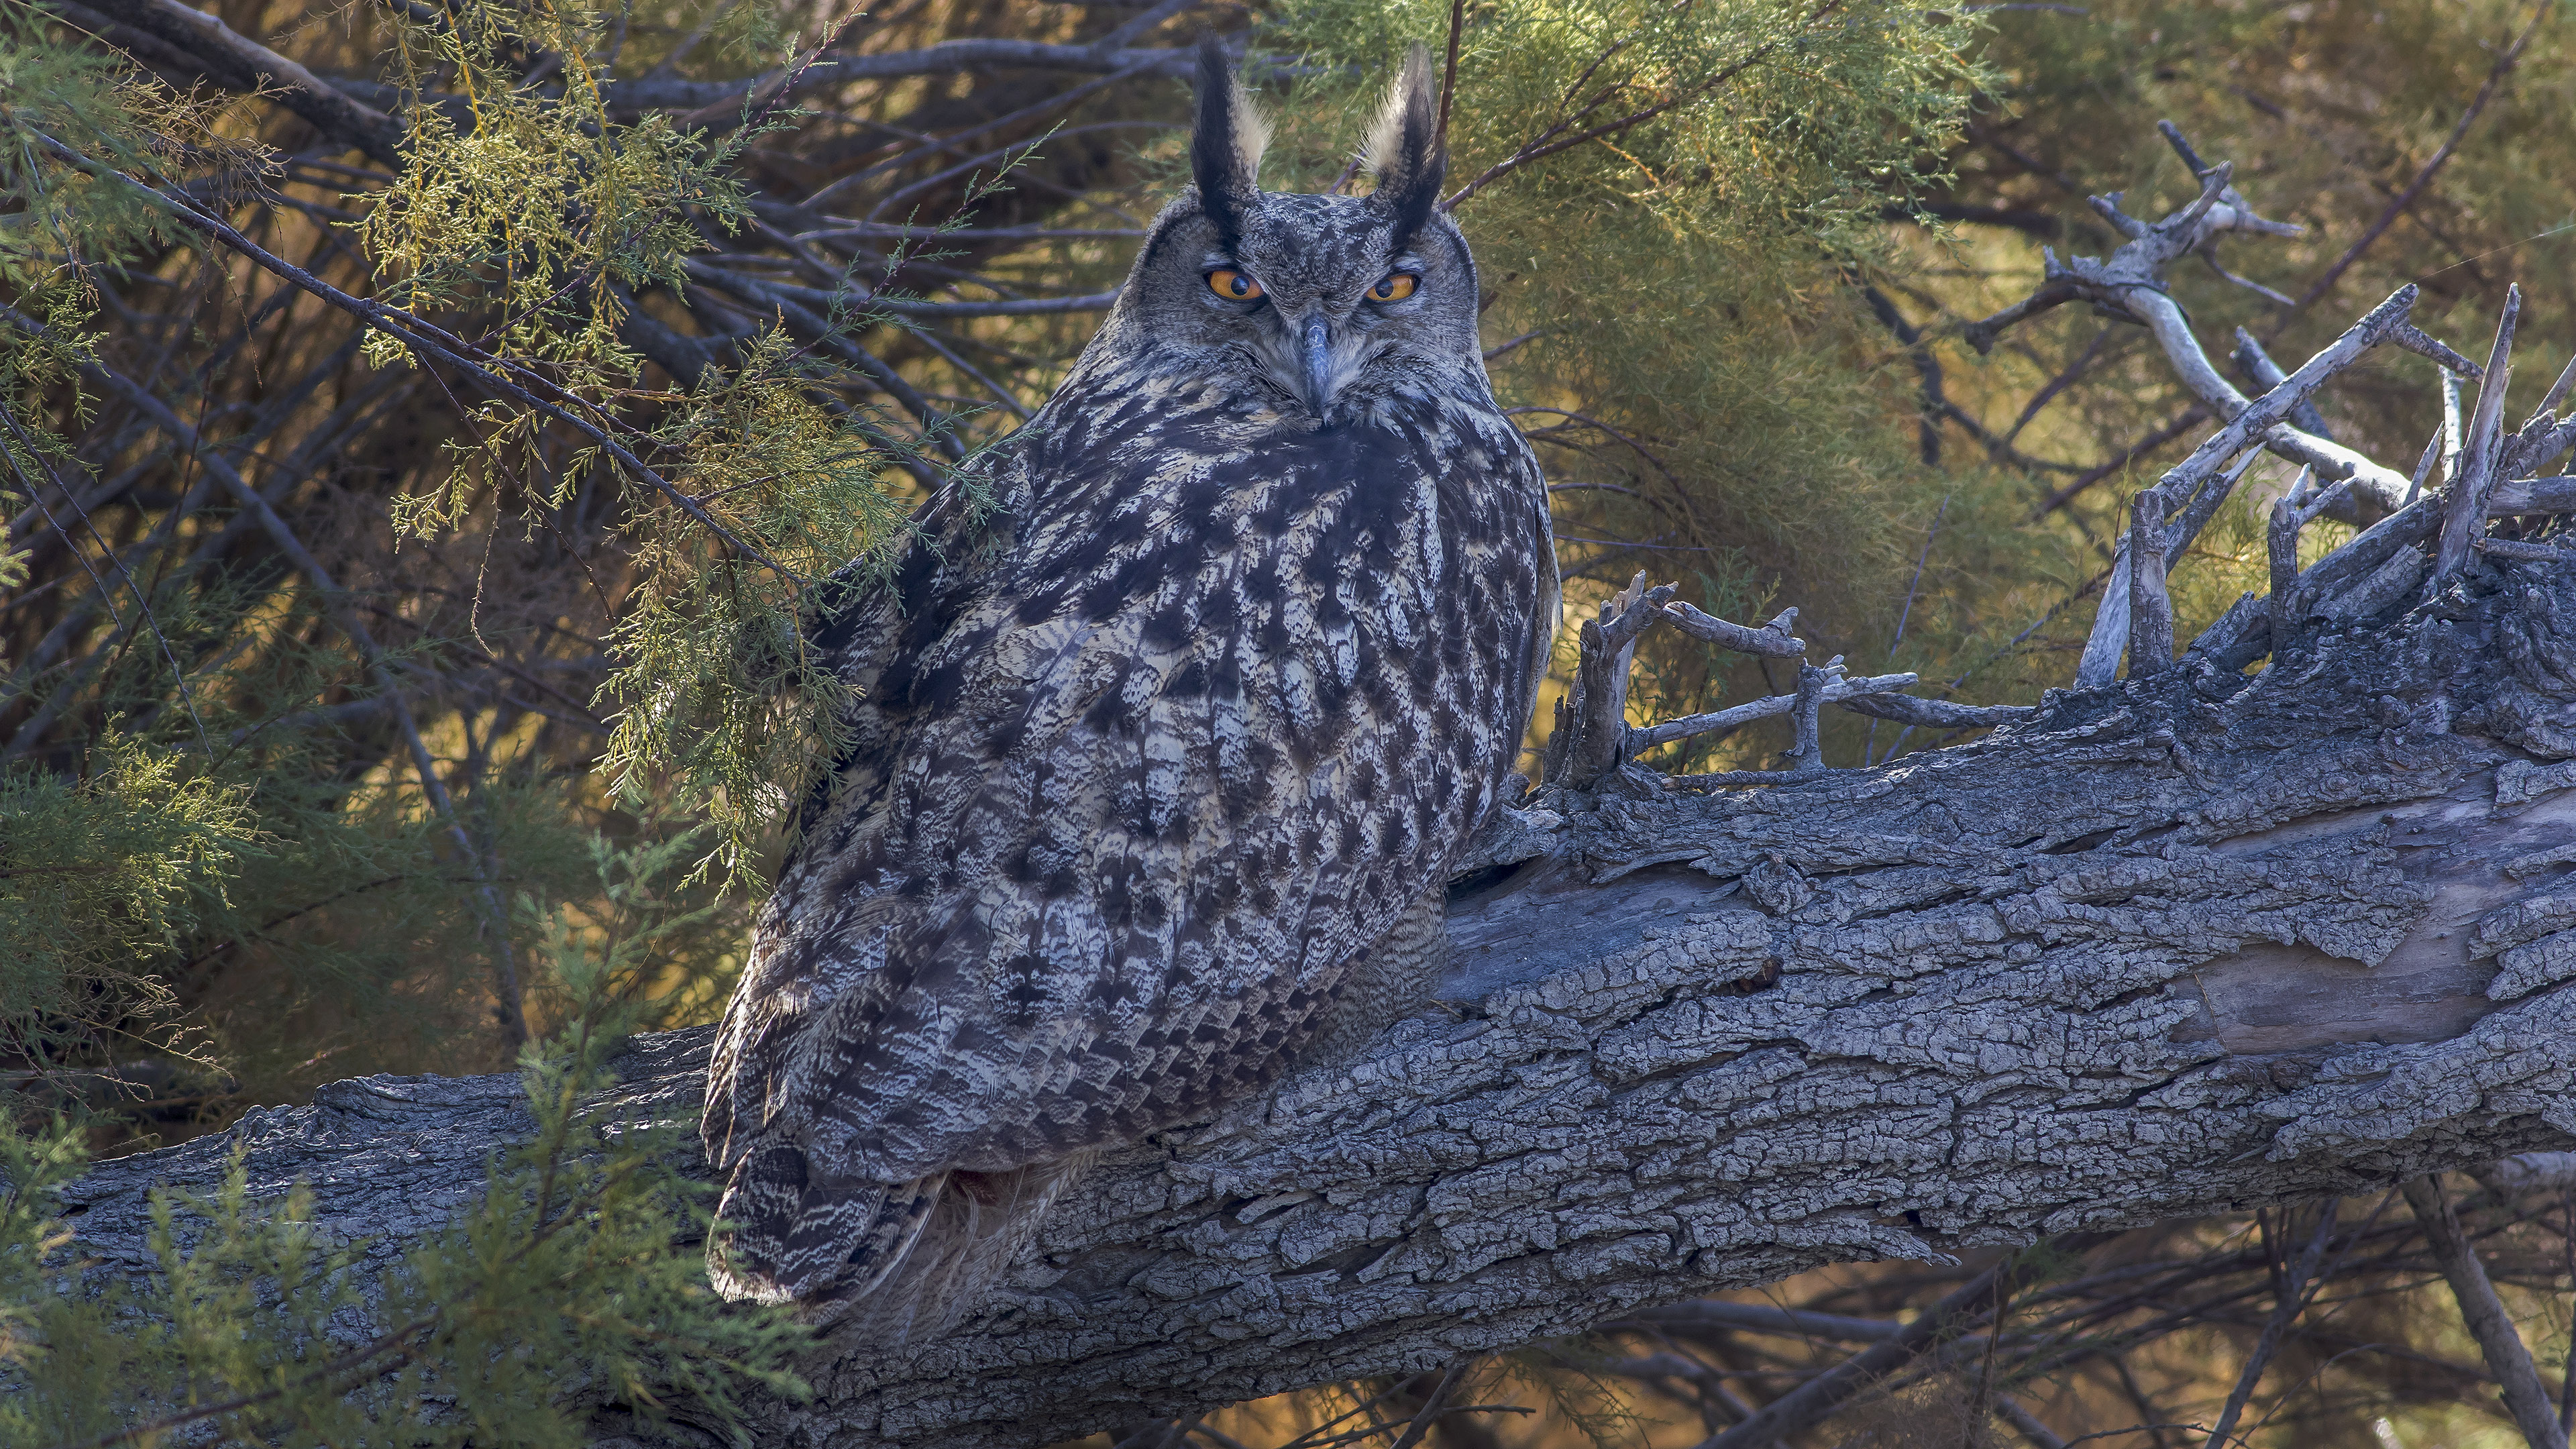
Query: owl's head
[[1329, 302]]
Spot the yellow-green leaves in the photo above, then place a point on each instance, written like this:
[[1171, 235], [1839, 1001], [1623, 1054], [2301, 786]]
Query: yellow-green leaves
[[540, 207], [537, 199], [64, 112], [251, 1321], [99, 875]]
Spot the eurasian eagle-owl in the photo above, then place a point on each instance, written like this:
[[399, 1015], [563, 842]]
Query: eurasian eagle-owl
[[1159, 757]]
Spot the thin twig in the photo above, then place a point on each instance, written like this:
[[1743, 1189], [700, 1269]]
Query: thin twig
[[2424, 174], [2295, 1294]]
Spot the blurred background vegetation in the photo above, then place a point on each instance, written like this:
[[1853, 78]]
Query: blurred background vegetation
[[357, 666]]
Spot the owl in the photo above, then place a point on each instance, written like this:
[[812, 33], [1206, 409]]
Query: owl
[[1168, 730]]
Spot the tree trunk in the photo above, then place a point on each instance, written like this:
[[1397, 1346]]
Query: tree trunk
[[2174, 946]]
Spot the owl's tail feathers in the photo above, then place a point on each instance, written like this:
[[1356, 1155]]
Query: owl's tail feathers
[[979, 1223], [907, 1260], [787, 1235]]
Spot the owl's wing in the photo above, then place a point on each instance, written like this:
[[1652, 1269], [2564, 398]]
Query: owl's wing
[[860, 626], [1124, 805]]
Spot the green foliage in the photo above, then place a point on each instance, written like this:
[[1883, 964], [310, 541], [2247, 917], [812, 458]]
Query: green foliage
[[249, 1324], [1646, 265], [62, 108], [282, 910], [623, 936], [355, 915], [13, 563], [551, 213], [97, 876], [540, 205], [720, 707]]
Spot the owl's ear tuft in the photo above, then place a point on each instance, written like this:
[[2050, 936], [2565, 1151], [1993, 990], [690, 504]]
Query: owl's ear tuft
[[1405, 150], [1225, 149]]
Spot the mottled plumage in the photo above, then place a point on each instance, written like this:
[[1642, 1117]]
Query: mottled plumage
[[1143, 762]]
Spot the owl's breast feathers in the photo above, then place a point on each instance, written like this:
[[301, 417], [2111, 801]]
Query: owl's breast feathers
[[1125, 797]]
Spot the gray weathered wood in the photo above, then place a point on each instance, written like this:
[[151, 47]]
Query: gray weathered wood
[[2169, 947]]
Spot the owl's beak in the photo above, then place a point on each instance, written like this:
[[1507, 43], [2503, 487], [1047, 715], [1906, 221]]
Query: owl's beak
[[1319, 365]]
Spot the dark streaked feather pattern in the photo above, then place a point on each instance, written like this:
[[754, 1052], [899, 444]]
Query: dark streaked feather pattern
[[1122, 807], [1140, 768]]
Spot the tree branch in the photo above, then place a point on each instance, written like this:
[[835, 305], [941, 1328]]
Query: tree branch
[[2464, 510], [2144, 556], [239, 63], [2059, 981], [2432, 167], [2130, 283], [2506, 1355]]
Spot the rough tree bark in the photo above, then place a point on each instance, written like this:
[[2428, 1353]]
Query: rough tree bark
[[2177, 945]]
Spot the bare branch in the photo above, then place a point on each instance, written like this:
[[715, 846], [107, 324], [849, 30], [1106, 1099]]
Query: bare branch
[[666, 92], [2282, 543], [2183, 422], [2108, 208], [2291, 514], [2064, 379], [2203, 506], [2526, 552], [1807, 751], [2259, 420], [2208, 254], [1010, 307], [2130, 283], [2452, 432], [1832, 691], [2556, 494], [1813, 1401], [2542, 437], [2384, 489], [2010, 1410], [1432, 1406], [2293, 1296], [1590, 739], [1935, 714], [2506, 1355], [2423, 344], [2557, 390], [2424, 174], [1773, 640], [2258, 368], [238, 63], [2464, 513], [1981, 334], [1701, 1315], [2151, 625]]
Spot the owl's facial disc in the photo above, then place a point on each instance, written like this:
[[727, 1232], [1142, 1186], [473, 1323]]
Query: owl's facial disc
[[1338, 307], [1312, 297]]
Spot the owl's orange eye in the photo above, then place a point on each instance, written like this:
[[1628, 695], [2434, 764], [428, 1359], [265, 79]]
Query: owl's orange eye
[[1394, 287], [1232, 285]]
